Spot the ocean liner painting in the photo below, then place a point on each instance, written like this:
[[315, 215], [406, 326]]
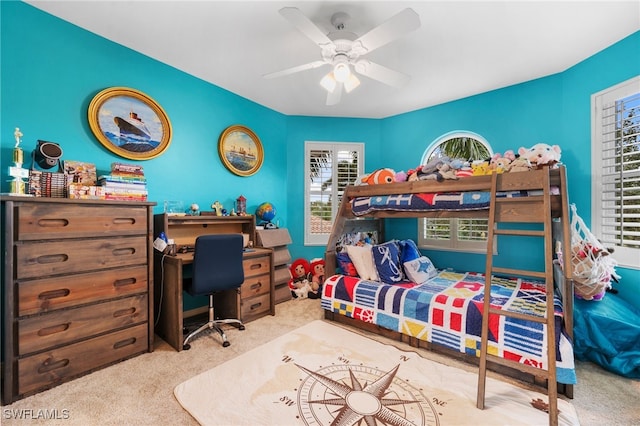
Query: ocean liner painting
[[129, 123], [240, 150]]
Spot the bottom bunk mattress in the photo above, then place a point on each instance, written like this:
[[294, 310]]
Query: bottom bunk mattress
[[447, 310]]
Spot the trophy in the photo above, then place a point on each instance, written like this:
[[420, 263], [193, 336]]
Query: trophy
[[17, 185]]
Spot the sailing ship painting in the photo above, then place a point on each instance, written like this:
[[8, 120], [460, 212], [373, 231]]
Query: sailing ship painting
[[240, 151]]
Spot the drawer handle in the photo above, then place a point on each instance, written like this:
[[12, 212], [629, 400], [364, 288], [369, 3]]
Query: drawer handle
[[50, 365], [256, 286], [52, 258], [256, 305], [123, 251], [256, 266], [124, 281], [125, 342], [53, 223], [53, 329], [54, 294], [123, 221], [124, 312]]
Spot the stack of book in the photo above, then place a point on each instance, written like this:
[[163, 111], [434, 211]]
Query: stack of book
[[125, 183]]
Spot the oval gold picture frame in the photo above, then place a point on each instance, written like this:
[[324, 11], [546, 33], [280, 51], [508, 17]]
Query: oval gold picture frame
[[129, 123], [240, 150]]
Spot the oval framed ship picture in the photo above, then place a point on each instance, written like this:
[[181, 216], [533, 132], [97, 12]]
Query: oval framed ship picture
[[240, 150], [129, 123]]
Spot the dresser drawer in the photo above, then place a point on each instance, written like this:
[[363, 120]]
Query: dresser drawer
[[39, 296], [256, 266], [65, 326], [49, 221], [255, 307], [58, 365], [40, 259], [254, 286]]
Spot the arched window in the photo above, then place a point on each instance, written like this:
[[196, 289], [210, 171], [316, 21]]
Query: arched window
[[455, 234]]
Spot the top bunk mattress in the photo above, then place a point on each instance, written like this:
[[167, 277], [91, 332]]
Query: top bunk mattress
[[437, 201]]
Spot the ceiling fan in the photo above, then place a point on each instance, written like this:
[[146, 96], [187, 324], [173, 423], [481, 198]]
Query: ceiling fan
[[343, 50]]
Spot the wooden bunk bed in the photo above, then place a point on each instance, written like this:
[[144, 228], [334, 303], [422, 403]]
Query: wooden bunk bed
[[545, 203]]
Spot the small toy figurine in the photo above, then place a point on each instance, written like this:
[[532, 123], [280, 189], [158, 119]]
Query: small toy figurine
[[18, 135], [217, 206]]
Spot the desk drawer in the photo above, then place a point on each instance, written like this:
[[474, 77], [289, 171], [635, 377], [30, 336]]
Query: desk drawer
[[62, 257], [256, 266], [49, 221], [65, 326], [254, 307], [254, 286], [39, 296], [58, 365]]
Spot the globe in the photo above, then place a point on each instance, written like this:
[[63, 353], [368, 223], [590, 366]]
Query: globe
[[266, 212]]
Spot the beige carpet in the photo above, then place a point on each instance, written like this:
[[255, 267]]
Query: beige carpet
[[321, 374], [140, 391]]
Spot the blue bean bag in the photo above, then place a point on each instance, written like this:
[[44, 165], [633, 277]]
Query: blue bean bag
[[607, 332]]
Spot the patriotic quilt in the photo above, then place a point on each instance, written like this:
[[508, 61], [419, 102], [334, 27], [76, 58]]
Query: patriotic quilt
[[448, 201], [447, 310]]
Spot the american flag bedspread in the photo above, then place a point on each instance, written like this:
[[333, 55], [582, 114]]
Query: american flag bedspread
[[447, 310]]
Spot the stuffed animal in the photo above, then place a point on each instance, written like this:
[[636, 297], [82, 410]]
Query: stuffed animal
[[377, 177], [499, 164], [300, 282], [480, 168], [437, 169], [541, 154], [317, 278], [520, 164]]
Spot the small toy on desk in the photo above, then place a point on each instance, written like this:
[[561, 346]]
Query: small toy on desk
[[300, 282]]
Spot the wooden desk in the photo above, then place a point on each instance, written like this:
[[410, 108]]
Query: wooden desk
[[254, 299]]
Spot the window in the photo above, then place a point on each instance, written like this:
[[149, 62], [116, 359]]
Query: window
[[329, 168], [615, 184], [455, 234]]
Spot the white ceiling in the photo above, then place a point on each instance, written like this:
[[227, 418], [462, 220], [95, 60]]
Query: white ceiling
[[462, 47]]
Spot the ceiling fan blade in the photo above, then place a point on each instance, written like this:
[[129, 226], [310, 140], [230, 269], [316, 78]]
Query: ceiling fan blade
[[380, 73], [309, 66], [395, 27], [305, 26], [333, 98]]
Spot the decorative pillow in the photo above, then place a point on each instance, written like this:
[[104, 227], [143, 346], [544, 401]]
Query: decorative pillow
[[409, 250], [386, 257], [420, 270], [345, 265], [363, 261]]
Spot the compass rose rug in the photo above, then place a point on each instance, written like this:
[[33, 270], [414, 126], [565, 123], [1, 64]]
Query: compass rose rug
[[321, 374]]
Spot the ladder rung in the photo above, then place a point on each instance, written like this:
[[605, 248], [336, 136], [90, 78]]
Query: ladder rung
[[518, 315], [534, 371], [527, 199], [511, 272], [520, 232]]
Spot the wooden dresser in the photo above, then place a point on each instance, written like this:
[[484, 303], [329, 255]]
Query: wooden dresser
[[77, 288]]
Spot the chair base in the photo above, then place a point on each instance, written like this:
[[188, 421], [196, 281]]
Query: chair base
[[212, 324]]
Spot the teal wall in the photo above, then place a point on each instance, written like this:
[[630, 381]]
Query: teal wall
[[49, 76]]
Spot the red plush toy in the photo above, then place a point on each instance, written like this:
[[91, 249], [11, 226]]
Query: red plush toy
[[317, 277], [300, 282]]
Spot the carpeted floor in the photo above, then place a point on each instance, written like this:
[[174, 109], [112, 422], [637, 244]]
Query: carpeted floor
[[140, 391]]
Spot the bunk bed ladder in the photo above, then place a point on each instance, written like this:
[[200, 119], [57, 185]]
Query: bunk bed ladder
[[530, 210]]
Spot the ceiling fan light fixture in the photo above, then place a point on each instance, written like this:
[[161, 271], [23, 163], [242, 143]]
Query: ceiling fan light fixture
[[329, 82], [351, 83], [341, 72]]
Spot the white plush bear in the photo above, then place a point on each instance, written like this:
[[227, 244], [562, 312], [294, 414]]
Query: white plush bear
[[541, 154]]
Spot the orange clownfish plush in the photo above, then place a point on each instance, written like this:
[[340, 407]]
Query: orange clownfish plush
[[379, 176]]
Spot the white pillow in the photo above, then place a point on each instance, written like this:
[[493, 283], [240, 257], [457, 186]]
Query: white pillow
[[362, 259], [420, 270]]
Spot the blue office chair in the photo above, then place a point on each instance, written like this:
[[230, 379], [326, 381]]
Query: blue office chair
[[217, 266]]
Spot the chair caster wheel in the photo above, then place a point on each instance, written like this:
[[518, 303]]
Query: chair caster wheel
[[186, 347], [225, 344], [241, 327]]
